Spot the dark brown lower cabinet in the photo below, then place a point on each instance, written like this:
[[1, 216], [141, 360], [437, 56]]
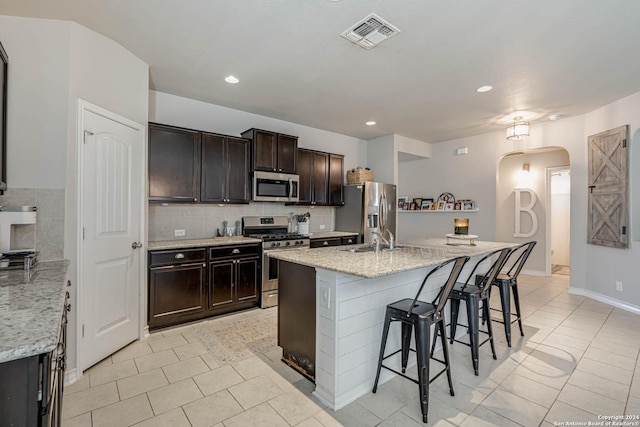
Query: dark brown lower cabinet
[[195, 283]]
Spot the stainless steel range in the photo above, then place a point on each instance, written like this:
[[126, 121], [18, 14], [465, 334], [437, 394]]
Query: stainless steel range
[[273, 231]]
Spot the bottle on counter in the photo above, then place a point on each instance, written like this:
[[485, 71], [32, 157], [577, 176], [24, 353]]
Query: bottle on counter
[[225, 231], [238, 228]]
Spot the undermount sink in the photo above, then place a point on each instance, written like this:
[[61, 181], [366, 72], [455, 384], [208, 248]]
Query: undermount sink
[[370, 248]]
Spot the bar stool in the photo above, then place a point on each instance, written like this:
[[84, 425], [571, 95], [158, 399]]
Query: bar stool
[[421, 315], [472, 295], [509, 281]]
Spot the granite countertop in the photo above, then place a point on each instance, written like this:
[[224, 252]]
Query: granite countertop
[[31, 305], [330, 234], [193, 243], [417, 254]]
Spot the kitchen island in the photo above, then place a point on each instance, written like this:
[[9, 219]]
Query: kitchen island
[[332, 305]]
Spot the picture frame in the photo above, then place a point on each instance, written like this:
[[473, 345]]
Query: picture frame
[[468, 205], [434, 206], [412, 206], [417, 201], [402, 200], [457, 206], [426, 204], [441, 205], [448, 206]]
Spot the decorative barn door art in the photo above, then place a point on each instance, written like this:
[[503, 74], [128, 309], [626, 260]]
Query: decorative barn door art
[[608, 182]]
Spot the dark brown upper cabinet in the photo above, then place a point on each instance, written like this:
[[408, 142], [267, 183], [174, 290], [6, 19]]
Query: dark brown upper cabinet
[[225, 169], [174, 164], [272, 152], [336, 180]]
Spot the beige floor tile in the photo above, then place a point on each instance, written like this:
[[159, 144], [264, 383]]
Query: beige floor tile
[[310, 422], [259, 416], [530, 390], [399, 419], [275, 355], [467, 398], [217, 379], [112, 372], [390, 397], [556, 339], [440, 413], [174, 395], [590, 401], [80, 385], [633, 406], [294, 408], [515, 408], [482, 417], [251, 367], [141, 383], [165, 343], [255, 391], [564, 359], [156, 360], [185, 369], [89, 400], [123, 413], [599, 385], [542, 373], [212, 409], [327, 418], [561, 412], [83, 420], [189, 351], [133, 350], [173, 418], [610, 358], [605, 370]]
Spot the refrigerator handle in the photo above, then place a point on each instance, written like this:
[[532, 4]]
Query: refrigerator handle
[[383, 214]]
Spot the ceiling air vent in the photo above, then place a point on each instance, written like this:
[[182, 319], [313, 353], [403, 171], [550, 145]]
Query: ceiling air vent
[[370, 31]]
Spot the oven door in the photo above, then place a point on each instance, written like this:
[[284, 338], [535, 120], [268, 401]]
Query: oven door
[[275, 187]]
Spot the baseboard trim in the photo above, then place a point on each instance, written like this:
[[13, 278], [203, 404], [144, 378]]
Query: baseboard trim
[[605, 299]]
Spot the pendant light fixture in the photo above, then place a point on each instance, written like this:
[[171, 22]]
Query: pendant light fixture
[[518, 129]]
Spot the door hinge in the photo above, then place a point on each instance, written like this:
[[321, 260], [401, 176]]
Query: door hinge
[[83, 330], [83, 233], [86, 132], [624, 230], [624, 143]]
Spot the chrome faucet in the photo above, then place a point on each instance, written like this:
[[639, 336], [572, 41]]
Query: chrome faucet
[[390, 242]]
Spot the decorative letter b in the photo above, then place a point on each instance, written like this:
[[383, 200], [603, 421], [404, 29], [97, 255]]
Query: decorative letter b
[[525, 209]]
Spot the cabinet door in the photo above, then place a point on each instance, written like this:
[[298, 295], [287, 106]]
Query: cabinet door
[[305, 171], [336, 180], [174, 164], [323, 243], [221, 275], [238, 188], [176, 291], [265, 150], [247, 279], [320, 178], [214, 168], [287, 152]]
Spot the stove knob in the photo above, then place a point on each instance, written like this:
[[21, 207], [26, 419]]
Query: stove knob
[[273, 244], [277, 243], [288, 243]]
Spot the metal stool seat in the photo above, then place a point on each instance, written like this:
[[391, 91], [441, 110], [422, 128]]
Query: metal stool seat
[[472, 295], [420, 315]]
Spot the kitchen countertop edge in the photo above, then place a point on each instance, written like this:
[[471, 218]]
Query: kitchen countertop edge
[[198, 243]]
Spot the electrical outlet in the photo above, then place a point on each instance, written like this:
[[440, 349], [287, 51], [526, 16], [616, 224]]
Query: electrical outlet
[[618, 286], [178, 233], [321, 226]]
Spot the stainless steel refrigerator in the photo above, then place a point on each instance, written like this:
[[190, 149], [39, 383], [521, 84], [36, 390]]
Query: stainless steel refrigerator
[[370, 206]]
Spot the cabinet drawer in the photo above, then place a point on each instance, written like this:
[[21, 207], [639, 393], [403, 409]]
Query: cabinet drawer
[[233, 251], [351, 240], [323, 243], [176, 256]]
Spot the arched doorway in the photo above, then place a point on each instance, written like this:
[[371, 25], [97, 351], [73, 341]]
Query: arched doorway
[[525, 178]]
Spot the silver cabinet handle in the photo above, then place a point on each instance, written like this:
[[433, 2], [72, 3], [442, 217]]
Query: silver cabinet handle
[[235, 251], [179, 256], [326, 243], [136, 245]]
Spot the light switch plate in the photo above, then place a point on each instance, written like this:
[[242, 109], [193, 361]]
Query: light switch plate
[[178, 233]]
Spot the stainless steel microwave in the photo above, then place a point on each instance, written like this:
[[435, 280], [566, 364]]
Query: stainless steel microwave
[[275, 187]]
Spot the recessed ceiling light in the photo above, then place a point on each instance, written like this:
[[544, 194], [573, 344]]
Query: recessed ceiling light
[[231, 79], [555, 117], [485, 88], [370, 123]]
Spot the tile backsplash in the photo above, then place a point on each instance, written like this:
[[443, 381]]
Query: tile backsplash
[[47, 235], [200, 221]]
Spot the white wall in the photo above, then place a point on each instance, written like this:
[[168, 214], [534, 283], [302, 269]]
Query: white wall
[[559, 221], [178, 111], [38, 91]]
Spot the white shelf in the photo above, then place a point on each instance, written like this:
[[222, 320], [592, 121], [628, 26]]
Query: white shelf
[[437, 211]]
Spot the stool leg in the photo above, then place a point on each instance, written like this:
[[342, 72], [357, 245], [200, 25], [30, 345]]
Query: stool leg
[[422, 351], [473, 307], [455, 308], [406, 344], [506, 309], [516, 300], [485, 309], [445, 352], [383, 344]]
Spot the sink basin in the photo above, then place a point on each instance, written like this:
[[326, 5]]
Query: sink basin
[[370, 248]]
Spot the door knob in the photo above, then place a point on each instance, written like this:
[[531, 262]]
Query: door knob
[[136, 245]]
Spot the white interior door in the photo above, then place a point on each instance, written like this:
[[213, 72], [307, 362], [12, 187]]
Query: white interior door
[[110, 216]]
